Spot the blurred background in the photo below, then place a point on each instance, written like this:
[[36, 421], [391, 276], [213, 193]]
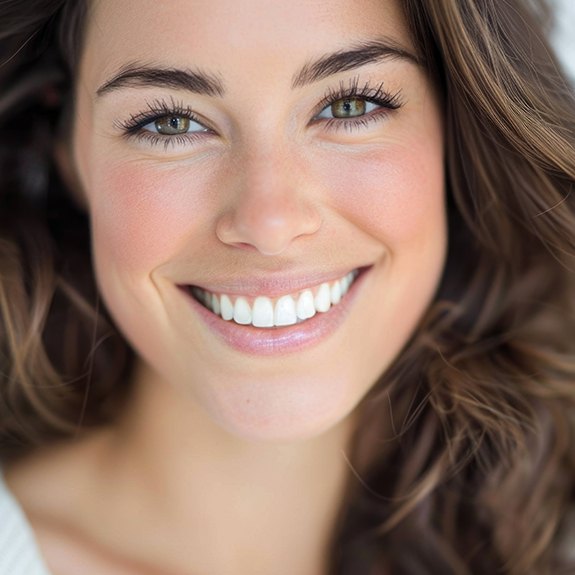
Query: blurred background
[[564, 33]]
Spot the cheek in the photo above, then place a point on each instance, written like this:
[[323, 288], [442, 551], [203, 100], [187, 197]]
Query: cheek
[[141, 215], [393, 194]]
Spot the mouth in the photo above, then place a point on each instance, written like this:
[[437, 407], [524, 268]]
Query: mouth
[[272, 313]]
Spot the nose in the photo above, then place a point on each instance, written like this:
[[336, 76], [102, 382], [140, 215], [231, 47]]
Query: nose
[[272, 205]]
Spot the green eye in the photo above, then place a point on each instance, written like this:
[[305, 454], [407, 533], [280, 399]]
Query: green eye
[[345, 108], [173, 125], [348, 108], [170, 125]]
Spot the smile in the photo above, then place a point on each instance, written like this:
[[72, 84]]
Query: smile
[[286, 310]]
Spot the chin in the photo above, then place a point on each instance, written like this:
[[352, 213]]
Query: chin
[[281, 410]]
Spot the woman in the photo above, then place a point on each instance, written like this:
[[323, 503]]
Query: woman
[[333, 328]]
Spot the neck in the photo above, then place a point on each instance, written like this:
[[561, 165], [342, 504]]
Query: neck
[[247, 506]]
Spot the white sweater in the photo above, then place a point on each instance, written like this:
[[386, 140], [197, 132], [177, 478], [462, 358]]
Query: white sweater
[[19, 554]]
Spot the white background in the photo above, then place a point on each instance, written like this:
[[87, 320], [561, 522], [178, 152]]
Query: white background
[[564, 33]]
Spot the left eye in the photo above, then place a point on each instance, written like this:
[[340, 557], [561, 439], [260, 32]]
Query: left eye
[[347, 108], [173, 126]]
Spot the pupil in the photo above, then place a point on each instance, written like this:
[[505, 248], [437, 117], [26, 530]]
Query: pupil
[[348, 108], [172, 125]]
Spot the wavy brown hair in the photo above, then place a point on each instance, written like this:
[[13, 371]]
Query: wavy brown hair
[[464, 457]]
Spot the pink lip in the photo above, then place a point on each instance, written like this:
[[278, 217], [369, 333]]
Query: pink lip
[[257, 341], [273, 286]]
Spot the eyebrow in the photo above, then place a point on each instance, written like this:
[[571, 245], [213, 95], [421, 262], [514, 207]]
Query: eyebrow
[[199, 82], [143, 75], [350, 59]]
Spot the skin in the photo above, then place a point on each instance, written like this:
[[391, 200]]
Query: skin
[[268, 193]]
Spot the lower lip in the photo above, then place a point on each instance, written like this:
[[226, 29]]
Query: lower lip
[[280, 340]]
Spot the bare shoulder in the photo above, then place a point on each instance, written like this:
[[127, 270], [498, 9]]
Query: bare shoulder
[[53, 489], [68, 553], [90, 518], [54, 481]]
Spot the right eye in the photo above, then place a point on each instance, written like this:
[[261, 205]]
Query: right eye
[[173, 125]]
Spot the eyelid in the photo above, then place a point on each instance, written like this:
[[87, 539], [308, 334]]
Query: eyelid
[[350, 117], [135, 126], [155, 131], [387, 102], [376, 94], [158, 109], [155, 139]]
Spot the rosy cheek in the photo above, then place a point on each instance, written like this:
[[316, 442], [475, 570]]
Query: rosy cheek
[[143, 214], [392, 194]]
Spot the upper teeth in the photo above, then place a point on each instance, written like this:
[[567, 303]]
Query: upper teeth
[[285, 310]]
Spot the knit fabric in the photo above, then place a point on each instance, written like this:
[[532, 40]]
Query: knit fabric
[[19, 554]]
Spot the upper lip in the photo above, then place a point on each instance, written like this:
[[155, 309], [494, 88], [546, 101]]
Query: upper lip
[[271, 285]]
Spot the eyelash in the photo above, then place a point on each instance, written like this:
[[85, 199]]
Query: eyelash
[[387, 102], [133, 128]]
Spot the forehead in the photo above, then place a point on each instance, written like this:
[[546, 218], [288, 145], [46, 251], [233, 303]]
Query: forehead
[[230, 36]]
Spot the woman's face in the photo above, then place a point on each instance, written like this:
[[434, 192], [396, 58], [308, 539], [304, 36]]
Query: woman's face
[[257, 155]]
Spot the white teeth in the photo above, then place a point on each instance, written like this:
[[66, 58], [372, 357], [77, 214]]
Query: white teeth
[[322, 299], [346, 282], [335, 293], [263, 312], [216, 304], [288, 309], [305, 306], [227, 308], [285, 313], [242, 312]]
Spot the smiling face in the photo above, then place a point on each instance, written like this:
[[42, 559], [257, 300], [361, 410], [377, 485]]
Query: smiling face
[[277, 164]]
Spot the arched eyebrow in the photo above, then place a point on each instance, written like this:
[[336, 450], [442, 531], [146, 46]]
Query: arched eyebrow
[[137, 74], [199, 82], [350, 59]]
